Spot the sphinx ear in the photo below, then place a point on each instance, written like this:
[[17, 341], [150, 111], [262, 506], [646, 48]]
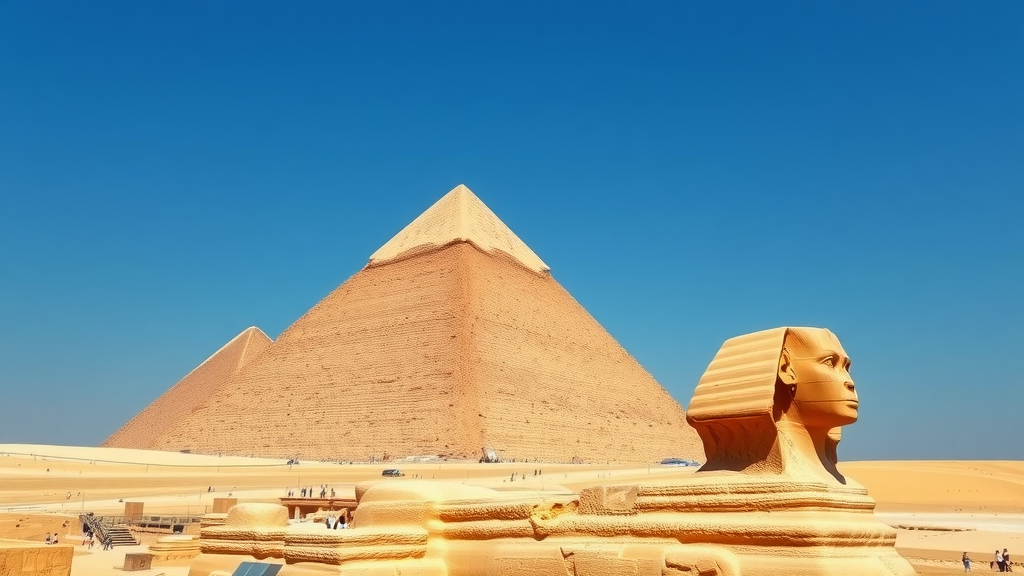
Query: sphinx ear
[[786, 373]]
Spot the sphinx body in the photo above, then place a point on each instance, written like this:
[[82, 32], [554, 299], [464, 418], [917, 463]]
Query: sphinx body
[[769, 500]]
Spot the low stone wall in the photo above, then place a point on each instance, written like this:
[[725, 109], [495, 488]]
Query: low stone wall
[[23, 558]]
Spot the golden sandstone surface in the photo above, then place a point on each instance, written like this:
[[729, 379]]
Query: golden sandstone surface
[[21, 558], [769, 501], [453, 338]]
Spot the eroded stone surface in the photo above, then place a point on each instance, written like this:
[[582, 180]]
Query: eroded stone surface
[[781, 510], [22, 558]]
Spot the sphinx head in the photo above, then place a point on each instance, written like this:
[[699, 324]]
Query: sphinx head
[[761, 383], [815, 372]]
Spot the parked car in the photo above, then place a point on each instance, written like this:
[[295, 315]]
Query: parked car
[[679, 462], [392, 472]]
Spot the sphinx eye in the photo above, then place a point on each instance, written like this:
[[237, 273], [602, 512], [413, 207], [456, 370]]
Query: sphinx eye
[[847, 365], [829, 361]]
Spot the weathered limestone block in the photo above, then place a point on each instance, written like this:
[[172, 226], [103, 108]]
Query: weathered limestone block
[[214, 519], [256, 530], [169, 548], [24, 558]]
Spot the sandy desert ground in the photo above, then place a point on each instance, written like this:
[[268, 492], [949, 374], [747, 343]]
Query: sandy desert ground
[[940, 508]]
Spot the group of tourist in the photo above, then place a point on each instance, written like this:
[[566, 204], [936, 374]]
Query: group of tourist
[[308, 492], [1001, 562], [88, 539]]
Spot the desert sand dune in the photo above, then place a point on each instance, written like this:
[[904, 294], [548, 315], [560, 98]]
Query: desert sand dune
[[946, 486]]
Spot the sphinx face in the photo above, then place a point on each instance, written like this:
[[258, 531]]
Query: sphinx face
[[818, 365]]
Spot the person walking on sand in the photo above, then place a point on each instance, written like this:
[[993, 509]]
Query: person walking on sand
[[999, 561], [48, 538], [967, 562], [1006, 561]]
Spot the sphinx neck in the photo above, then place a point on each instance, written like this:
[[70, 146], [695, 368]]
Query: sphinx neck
[[808, 451]]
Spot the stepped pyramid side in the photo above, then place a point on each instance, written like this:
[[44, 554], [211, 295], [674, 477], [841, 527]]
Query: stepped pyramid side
[[167, 411], [459, 216]]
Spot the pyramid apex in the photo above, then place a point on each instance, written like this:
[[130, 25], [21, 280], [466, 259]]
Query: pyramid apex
[[459, 216]]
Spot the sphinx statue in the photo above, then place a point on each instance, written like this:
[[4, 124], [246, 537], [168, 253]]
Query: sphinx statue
[[769, 499], [775, 402]]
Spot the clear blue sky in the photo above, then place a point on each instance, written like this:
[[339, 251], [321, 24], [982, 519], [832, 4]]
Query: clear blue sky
[[173, 172]]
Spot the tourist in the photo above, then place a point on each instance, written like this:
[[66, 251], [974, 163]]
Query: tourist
[[999, 561], [55, 538], [967, 562], [303, 491], [330, 521], [48, 538], [1006, 561], [92, 540]]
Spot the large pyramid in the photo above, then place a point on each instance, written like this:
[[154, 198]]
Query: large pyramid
[[453, 337]]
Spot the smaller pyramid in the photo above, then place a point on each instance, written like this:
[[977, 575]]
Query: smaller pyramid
[[170, 409], [459, 216]]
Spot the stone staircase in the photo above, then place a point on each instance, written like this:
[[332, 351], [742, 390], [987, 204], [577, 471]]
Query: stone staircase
[[112, 526], [121, 536]]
